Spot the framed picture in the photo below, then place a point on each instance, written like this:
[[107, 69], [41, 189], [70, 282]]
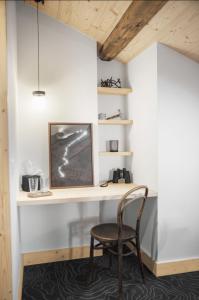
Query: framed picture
[[70, 153]]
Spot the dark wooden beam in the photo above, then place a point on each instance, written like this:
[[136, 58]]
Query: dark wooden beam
[[138, 14]]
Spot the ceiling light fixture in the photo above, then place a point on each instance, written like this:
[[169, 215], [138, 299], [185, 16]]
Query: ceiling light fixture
[[38, 93]]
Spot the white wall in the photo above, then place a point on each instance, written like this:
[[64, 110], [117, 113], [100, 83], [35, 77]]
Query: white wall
[[109, 104], [13, 158], [164, 139], [178, 203], [142, 108], [142, 137], [69, 77]]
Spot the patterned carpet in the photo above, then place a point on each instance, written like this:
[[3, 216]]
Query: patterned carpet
[[68, 280]]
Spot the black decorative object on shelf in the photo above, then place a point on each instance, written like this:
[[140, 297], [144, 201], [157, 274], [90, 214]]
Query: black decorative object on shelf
[[113, 145], [121, 174], [110, 82], [25, 182]]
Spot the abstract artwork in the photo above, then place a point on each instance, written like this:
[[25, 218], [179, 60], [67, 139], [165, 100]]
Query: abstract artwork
[[70, 155]]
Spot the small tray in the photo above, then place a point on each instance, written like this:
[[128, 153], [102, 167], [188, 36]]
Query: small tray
[[39, 194]]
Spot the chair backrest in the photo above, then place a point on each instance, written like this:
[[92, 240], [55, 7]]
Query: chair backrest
[[128, 198]]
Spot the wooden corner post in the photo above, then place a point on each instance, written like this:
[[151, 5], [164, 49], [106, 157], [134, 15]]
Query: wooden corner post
[[5, 232]]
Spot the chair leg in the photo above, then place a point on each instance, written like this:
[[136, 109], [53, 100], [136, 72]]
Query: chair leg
[[110, 261], [140, 259], [91, 258], [91, 249], [120, 269]]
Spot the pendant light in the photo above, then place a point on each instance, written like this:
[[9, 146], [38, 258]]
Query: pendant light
[[38, 93]]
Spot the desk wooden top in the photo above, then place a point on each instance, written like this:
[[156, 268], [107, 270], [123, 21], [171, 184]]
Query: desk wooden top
[[75, 195]]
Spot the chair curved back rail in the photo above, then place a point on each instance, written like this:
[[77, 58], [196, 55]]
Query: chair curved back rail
[[126, 200]]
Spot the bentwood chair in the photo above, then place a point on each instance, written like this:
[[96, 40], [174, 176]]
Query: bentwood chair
[[120, 239]]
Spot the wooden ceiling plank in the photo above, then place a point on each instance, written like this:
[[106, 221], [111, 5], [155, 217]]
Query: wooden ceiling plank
[[179, 16], [96, 19], [102, 22], [111, 17], [133, 21], [49, 7], [151, 31], [170, 26]]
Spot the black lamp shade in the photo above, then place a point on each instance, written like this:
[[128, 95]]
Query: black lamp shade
[[39, 93]]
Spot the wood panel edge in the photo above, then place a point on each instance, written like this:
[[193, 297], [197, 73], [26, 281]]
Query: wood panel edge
[[6, 291], [21, 274], [158, 269], [114, 91], [56, 255], [119, 153], [177, 267], [115, 122], [149, 262]]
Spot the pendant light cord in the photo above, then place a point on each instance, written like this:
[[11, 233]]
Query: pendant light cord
[[38, 54], [38, 92]]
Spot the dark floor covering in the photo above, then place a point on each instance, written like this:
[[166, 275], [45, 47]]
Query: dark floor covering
[[69, 280]]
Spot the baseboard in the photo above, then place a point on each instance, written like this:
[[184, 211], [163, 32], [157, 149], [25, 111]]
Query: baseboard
[[170, 268], [149, 262], [158, 269], [42, 257], [20, 287], [176, 267]]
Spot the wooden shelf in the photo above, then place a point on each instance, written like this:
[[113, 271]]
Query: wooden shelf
[[115, 122], [113, 91], [106, 153]]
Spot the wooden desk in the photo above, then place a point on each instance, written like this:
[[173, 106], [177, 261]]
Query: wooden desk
[[74, 195]]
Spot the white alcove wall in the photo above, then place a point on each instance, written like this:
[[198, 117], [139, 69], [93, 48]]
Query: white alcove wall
[[68, 67], [109, 104]]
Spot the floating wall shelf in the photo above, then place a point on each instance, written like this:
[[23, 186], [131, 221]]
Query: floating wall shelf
[[127, 153], [115, 122], [114, 91]]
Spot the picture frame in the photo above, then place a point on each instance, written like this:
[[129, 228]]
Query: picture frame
[[70, 155]]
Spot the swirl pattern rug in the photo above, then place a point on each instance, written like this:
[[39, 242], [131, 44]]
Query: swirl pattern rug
[[71, 280]]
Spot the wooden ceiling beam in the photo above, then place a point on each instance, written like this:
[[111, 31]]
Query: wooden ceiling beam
[[138, 14]]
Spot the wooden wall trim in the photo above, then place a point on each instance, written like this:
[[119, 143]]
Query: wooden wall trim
[[170, 268], [177, 267], [5, 235], [41, 257], [158, 269], [148, 262], [20, 288]]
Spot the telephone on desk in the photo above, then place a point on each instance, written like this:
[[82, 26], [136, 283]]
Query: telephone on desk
[[118, 176]]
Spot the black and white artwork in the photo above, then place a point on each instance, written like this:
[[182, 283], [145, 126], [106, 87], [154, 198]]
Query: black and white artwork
[[70, 155]]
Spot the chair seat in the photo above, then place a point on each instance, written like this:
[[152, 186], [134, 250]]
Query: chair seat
[[109, 232]]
